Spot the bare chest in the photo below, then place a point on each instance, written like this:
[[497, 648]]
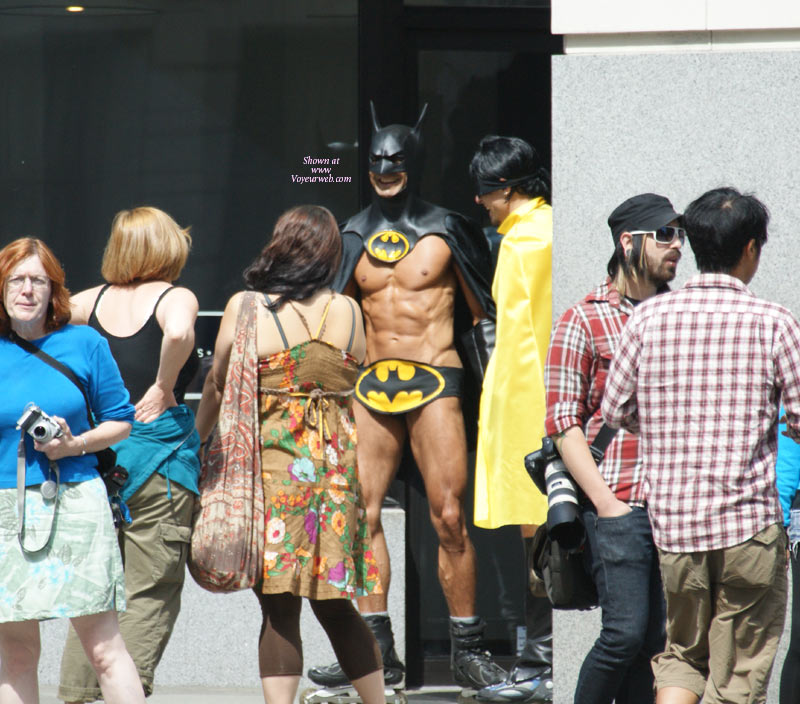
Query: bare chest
[[429, 264]]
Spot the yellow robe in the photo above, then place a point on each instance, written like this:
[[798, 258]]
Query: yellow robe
[[512, 409]]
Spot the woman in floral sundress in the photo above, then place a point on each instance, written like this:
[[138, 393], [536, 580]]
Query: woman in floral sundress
[[309, 342]]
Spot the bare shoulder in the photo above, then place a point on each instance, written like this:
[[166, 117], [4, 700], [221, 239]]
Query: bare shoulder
[[229, 317], [344, 303], [234, 303], [180, 297], [178, 309], [89, 294], [82, 304], [347, 329], [343, 310]]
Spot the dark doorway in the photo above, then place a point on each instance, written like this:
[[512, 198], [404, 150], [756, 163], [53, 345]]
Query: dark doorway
[[481, 70]]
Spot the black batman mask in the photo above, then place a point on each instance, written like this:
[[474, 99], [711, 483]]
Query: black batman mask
[[390, 227], [396, 149]]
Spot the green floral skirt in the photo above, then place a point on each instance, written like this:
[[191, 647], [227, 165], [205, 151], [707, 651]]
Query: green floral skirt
[[78, 573]]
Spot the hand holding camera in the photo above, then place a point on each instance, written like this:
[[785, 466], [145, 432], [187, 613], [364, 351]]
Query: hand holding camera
[[51, 434]]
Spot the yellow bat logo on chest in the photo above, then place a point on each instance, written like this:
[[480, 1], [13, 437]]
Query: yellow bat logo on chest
[[388, 246]]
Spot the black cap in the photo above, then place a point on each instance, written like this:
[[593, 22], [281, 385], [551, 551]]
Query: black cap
[[647, 211]]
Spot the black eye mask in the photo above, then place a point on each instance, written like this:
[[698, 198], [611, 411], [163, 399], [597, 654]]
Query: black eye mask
[[487, 185]]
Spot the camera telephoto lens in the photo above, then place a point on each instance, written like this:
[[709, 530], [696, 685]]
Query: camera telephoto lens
[[564, 522]]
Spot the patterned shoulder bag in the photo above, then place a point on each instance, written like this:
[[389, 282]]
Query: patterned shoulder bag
[[227, 550]]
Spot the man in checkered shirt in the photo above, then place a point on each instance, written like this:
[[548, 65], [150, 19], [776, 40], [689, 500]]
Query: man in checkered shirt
[[699, 374], [619, 545]]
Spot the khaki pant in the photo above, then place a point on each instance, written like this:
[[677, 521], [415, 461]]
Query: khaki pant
[[725, 614], [154, 550]]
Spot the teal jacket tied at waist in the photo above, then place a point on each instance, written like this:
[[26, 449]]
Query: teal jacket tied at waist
[[168, 445]]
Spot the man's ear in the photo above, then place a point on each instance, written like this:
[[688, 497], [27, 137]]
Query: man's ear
[[751, 253], [747, 266], [626, 240]]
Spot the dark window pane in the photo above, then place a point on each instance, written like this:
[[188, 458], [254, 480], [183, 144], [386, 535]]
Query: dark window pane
[[205, 109]]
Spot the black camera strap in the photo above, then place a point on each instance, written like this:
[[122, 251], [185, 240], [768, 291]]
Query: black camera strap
[[53, 362], [21, 462], [67, 372], [601, 442]]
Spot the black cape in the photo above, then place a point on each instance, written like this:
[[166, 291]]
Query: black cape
[[420, 219], [469, 246]]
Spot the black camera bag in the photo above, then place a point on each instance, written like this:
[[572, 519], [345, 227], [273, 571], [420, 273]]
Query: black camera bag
[[567, 582], [562, 573], [113, 476]]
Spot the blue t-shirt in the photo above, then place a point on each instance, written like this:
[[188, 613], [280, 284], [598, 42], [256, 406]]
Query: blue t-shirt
[[787, 469], [27, 379]]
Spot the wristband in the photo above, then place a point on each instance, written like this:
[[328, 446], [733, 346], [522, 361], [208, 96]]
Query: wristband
[[83, 451]]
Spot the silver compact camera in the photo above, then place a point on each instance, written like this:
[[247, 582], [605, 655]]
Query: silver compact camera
[[38, 424]]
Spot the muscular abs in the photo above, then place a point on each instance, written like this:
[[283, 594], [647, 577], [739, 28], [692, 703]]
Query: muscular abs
[[408, 306]]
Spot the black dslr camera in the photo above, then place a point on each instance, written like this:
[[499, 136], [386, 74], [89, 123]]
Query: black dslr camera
[[38, 424], [547, 469]]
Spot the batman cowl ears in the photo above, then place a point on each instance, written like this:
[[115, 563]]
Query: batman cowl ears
[[396, 148]]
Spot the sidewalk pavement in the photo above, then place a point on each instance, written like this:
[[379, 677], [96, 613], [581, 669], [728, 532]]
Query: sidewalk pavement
[[234, 695]]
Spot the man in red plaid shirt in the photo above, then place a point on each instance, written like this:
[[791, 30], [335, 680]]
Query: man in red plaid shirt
[[699, 373], [619, 546]]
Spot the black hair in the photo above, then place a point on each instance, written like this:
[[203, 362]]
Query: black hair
[[511, 158], [301, 258], [720, 223]]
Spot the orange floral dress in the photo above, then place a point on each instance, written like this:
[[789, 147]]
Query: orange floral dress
[[317, 542]]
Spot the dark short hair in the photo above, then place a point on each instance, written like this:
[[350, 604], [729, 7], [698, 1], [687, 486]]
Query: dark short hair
[[301, 258], [11, 256], [720, 223], [511, 158]]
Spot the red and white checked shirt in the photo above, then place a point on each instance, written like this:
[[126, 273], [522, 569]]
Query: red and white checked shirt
[[699, 373], [581, 347]]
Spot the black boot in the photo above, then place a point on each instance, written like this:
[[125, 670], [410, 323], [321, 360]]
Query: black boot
[[531, 678], [470, 662], [393, 668], [538, 650]]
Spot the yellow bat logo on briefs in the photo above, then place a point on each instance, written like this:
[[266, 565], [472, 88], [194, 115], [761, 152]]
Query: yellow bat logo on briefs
[[397, 386]]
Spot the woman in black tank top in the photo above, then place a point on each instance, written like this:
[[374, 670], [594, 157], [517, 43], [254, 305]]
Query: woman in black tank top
[[149, 326], [136, 354]]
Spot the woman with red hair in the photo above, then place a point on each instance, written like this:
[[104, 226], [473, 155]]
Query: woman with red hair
[[58, 549]]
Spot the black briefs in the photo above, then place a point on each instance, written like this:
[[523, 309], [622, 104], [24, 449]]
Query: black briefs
[[396, 386]]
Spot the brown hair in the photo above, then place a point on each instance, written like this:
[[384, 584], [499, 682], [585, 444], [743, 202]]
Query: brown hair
[[145, 244], [11, 256], [301, 258], [625, 270]]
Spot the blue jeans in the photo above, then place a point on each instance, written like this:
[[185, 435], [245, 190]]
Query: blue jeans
[[624, 564]]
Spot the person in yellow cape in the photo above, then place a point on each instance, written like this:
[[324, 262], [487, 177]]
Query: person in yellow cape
[[514, 188]]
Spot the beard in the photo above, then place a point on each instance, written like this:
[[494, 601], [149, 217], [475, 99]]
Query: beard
[[662, 272]]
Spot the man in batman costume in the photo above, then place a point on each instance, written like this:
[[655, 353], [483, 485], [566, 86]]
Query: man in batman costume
[[423, 276]]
